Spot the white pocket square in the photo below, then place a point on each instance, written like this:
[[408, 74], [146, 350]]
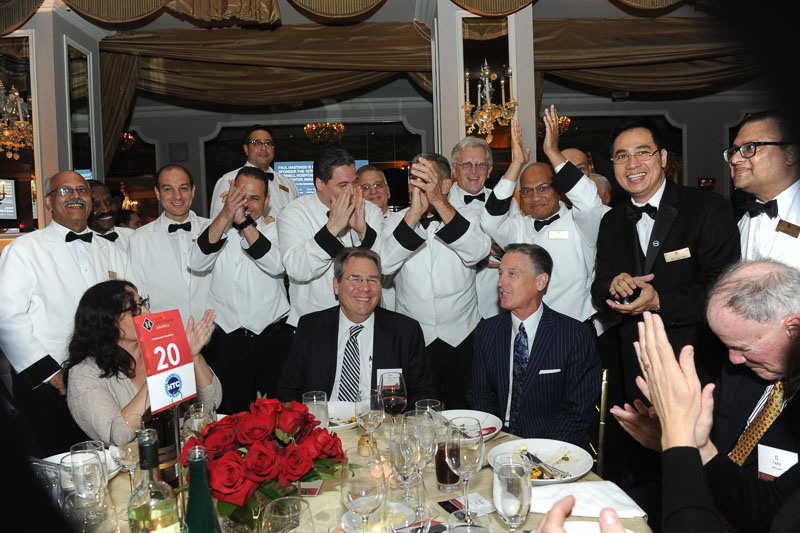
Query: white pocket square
[[550, 371]]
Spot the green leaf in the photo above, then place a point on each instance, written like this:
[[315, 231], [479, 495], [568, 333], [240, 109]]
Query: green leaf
[[225, 508], [272, 494], [283, 437], [311, 475]]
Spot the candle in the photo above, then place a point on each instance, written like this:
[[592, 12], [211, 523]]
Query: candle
[[510, 83], [479, 95], [503, 90], [466, 85]]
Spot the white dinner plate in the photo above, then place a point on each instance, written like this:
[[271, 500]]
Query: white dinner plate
[[111, 465], [562, 455], [339, 413], [487, 420], [400, 515]]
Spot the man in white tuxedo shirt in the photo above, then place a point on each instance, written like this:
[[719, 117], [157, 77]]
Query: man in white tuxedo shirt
[[764, 161], [240, 248], [44, 275], [259, 147], [315, 227], [373, 182], [104, 216], [159, 250], [471, 164], [433, 249]]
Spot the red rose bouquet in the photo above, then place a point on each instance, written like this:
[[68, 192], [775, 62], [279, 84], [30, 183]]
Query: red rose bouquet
[[253, 455]]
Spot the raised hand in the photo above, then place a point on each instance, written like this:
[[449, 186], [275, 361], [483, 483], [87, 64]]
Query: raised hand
[[357, 219], [550, 145], [418, 208], [199, 333], [341, 211]]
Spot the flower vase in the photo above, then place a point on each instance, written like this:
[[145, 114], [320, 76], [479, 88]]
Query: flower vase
[[250, 517]]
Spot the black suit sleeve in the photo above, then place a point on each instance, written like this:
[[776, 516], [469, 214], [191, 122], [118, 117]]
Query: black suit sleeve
[[420, 381], [481, 396], [291, 383], [687, 502], [604, 269]]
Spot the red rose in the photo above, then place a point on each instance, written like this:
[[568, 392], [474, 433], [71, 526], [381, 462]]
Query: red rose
[[262, 461], [292, 417], [265, 407], [320, 444], [253, 428], [219, 442], [333, 449], [228, 422], [192, 442], [295, 463], [227, 479]]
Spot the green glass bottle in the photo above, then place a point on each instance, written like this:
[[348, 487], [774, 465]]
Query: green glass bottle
[[201, 517], [152, 506]]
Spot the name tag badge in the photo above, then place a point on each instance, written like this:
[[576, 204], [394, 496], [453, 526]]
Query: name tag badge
[[677, 255], [283, 188], [550, 371], [379, 372], [772, 462], [788, 228], [558, 234], [112, 274]]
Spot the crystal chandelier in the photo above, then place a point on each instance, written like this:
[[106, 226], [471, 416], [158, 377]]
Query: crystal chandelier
[[324, 132], [563, 125], [486, 113], [16, 131]]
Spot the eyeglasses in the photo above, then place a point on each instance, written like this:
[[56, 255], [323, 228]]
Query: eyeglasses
[[358, 280], [264, 143], [136, 307], [68, 191], [469, 165], [544, 188], [747, 150], [377, 186], [642, 155]]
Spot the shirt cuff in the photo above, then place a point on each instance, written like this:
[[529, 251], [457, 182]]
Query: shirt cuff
[[370, 236], [567, 176], [504, 189], [407, 237], [206, 247], [454, 230], [328, 242], [39, 372], [259, 248]]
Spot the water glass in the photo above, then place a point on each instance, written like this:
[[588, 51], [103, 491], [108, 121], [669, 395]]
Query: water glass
[[291, 513], [363, 484], [196, 418], [464, 452], [96, 446], [511, 488], [412, 497], [429, 404], [421, 427], [87, 474], [317, 402]]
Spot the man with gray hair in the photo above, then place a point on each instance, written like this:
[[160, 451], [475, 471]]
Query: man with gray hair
[[372, 182]]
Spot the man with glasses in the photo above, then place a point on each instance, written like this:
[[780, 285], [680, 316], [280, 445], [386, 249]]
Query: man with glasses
[[259, 147], [345, 349], [44, 275], [764, 162], [660, 251], [569, 235], [373, 184]]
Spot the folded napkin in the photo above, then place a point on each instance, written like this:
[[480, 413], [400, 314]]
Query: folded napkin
[[590, 498], [584, 527]]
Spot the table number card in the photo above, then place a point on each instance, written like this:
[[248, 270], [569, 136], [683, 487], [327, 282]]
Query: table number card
[[167, 359]]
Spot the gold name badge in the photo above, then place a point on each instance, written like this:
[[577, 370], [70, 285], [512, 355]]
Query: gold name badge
[[112, 274], [558, 234], [788, 228], [283, 188], [677, 255]]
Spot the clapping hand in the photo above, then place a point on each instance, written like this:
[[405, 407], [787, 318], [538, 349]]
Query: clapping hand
[[358, 219], [234, 202], [342, 211], [550, 145], [624, 285], [199, 333]]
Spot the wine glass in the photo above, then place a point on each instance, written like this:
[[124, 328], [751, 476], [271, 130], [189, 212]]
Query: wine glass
[[464, 454], [196, 418], [413, 497], [290, 513], [87, 474], [512, 488], [317, 402], [363, 483], [393, 393], [96, 446], [369, 412], [429, 404], [404, 453], [421, 426]]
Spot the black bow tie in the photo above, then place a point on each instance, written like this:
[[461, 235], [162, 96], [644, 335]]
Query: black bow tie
[[468, 198], [426, 221], [756, 208], [186, 226], [110, 236], [539, 224], [270, 176], [85, 237], [634, 212]]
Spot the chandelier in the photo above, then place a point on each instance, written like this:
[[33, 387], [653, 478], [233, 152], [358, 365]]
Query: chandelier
[[126, 140], [16, 131], [324, 132], [563, 125], [486, 113]]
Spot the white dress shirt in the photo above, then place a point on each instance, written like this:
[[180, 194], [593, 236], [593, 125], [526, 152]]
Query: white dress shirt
[[760, 238], [246, 292], [644, 227], [309, 265], [435, 281], [364, 340], [571, 240], [123, 236], [531, 326], [282, 190]]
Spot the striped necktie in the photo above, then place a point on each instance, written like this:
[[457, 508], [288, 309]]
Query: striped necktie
[[351, 367], [520, 368], [764, 419]]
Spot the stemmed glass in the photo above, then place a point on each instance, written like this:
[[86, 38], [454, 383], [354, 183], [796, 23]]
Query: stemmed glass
[[127, 455], [317, 402], [196, 418], [429, 404], [369, 412], [404, 453], [393, 393], [96, 446], [512, 488], [363, 483], [291, 513], [416, 499], [464, 453], [421, 427]]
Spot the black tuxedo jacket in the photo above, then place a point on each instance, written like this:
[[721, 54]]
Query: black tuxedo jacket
[[688, 220], [562, 381], [397, 343]]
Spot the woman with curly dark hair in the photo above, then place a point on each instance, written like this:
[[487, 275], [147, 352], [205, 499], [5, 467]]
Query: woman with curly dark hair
[[106, 376]]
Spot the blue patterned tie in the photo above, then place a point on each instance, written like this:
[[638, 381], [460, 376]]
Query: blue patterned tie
[[351, 367], [520, 367]]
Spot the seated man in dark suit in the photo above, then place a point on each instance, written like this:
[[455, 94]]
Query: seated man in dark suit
[[345, 349], [536, 369]]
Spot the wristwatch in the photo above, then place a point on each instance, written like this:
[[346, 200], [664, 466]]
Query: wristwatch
[[248, 221]]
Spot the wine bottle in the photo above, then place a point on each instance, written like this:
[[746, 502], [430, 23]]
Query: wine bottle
[[164, 425], [200, 514], [152, 506]]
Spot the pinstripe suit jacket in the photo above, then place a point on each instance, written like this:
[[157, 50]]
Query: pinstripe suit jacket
[[562, 381]]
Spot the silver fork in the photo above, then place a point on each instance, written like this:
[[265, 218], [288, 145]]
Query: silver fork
[[552, 470]]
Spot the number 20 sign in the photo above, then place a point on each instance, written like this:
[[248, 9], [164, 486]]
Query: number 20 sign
[[167, 359]]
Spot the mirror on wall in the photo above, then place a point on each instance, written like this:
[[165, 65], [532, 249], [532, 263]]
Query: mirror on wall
[[18, 209], [79, 111]]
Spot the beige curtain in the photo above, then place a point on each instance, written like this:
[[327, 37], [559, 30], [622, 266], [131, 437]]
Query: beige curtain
[[118, 75], [338, 9], [14, 13], [114, 11], [492, 8]]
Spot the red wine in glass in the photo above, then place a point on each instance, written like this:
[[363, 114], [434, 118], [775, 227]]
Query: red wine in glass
[[394, 400]]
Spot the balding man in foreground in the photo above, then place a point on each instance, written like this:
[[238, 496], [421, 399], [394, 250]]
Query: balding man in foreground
[[44, 275]]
